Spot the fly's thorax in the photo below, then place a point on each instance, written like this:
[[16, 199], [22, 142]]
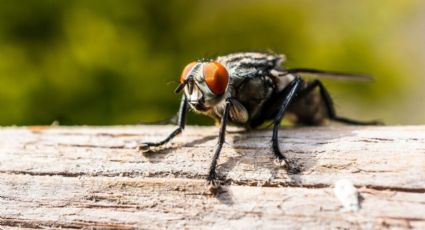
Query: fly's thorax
[[205, 84]]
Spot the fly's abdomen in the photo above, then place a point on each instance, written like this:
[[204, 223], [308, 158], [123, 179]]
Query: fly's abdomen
[[308, 110]]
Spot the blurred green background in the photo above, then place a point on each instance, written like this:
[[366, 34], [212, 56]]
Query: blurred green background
[[102, 62]]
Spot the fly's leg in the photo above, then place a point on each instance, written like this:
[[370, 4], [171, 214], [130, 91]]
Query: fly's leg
[[330, 105], [294, 88], [212, 174], [178, 130]]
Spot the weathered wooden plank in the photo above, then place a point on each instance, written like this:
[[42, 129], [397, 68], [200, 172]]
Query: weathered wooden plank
[[94, 176], [122, 202], [381, 157]]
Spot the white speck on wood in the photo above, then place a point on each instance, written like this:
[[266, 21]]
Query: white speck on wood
[[347, 194]]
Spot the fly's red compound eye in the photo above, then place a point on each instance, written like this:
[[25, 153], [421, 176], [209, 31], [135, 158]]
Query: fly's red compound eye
[[186, 71], [216, 77]]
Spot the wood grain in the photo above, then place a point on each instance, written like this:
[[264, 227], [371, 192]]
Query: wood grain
[[76, 177]]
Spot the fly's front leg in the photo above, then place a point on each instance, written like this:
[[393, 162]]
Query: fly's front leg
[[294, 88], [181, 122], [212, 174]]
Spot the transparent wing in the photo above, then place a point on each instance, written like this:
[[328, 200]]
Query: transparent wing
[[329, 74]]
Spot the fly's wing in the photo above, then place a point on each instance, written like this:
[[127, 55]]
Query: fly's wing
[[256, 64], [250, 64], [329, 74]]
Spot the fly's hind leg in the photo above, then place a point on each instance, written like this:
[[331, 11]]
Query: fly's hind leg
[[324, 94], [293, 89], [178, 130]]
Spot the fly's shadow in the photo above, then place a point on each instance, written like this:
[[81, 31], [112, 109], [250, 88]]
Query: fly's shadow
[[253, 157], [250, 160], [162, 151]]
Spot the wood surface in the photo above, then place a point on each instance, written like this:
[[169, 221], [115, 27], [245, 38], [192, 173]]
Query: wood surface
[[84, 177]]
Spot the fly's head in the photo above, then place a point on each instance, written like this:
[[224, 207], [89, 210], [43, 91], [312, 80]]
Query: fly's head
[[204, 84]]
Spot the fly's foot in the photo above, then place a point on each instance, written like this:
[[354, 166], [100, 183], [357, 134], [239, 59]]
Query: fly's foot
[[281, 162], [143, 147], [213, 183], [146, 147], [290, 167]]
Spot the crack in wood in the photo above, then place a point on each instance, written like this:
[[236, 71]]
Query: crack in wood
[[77, 224]]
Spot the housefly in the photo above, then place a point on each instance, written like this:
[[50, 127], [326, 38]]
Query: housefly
[[247, 89]]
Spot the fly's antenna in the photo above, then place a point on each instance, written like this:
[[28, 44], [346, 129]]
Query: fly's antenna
[[191, 83], [189, 80]]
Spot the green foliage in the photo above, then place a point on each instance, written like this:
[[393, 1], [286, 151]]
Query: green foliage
[[104, 62]]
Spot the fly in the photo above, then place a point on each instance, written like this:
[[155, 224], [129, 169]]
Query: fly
[[247, 89]]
